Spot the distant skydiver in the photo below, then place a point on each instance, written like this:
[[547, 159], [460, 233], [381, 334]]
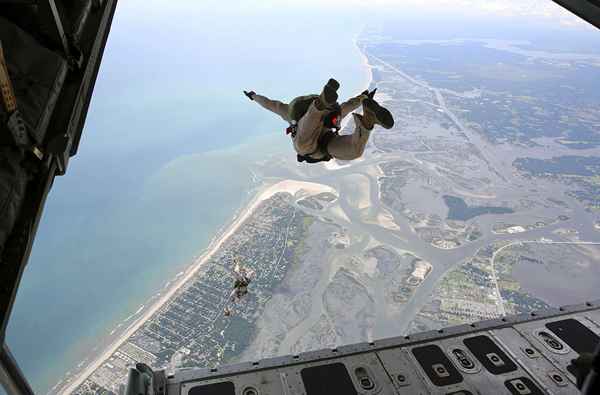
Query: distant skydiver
[[315, 122], [242, 278]]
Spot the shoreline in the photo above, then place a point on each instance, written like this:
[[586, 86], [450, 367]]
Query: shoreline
[[149, 309], [171, 289]]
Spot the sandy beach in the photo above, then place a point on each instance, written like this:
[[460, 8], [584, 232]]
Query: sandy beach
[[146, 312]]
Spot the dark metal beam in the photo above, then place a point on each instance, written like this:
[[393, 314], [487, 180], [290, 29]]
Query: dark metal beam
[[69, 119], [588, 10], [11, 376], [91, 73], [53, 26], [24, 233]]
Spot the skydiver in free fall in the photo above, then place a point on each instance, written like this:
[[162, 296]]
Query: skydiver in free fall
[[315, 122], [242, 277]]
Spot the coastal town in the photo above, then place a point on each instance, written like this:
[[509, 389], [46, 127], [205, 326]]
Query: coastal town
[[191, 329]]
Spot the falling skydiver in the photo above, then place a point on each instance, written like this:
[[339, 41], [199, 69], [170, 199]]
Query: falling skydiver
[[242, 278], [315, 122]]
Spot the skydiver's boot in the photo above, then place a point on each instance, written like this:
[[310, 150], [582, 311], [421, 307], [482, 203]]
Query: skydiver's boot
[[374, 114], [333, 84], [328, 96]]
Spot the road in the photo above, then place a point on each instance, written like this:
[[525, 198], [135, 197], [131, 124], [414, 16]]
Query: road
[[521, 242], [471, 136]]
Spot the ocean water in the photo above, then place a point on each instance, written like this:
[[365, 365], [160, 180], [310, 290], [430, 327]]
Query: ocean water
[[163, 163]]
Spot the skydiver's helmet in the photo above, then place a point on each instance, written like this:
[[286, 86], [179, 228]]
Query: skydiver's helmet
[[333, 119]]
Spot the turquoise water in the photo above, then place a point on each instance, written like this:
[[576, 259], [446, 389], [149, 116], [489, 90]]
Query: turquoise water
[[163, 163]]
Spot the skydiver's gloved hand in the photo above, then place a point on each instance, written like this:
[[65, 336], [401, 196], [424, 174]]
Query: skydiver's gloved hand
[[250, 94], [371, 94]]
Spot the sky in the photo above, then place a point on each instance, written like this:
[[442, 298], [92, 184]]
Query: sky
[[542, 10]]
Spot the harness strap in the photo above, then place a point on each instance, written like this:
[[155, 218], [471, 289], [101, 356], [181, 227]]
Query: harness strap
[[6, 89], [297, 109], [322, 144]]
